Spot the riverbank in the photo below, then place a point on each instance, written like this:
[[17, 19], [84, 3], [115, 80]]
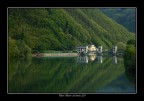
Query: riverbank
[[55, 55]]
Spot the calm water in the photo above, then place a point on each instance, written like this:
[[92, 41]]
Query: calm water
[[93, 74]]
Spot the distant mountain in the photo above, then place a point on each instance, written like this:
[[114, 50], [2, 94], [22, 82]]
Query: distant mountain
[[42, 29], [124, 16]]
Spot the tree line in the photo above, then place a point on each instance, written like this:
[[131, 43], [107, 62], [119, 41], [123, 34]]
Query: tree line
[[33, 30]]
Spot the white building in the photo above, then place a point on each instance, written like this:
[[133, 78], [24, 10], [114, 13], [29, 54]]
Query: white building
[[114, 49], [91, 48], [99, 49], [82, 49], [86, 49]]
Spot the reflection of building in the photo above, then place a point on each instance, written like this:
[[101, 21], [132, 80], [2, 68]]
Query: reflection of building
[[91, 57], [115, 59], [100, 59], [82, 59], [85, 58]]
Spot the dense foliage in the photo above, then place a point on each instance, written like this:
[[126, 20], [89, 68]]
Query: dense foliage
[[33, 30], [130, 60], [121, 46], [124, 16], [131, 42], [18, 49]]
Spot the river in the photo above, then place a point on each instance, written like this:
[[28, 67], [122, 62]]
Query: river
[[88, 74]]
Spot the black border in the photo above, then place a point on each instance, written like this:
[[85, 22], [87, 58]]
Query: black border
[[60, 3]]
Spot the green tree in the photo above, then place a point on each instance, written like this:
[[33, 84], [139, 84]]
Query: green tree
[[130, 57], [25, 51], [131, 42], [130, 62], [13, 50], [121, 46]]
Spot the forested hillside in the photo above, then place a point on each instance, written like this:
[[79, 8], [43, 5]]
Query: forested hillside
[[124, 16], [31, 30]]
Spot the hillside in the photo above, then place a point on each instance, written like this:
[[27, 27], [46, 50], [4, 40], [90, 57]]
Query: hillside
[[124, 16], [32, 30]]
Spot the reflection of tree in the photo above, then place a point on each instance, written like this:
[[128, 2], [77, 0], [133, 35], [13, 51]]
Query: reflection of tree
[[12, 67], [130, 60], [17, 71], [131, 74], [22, 67], [64, 75]]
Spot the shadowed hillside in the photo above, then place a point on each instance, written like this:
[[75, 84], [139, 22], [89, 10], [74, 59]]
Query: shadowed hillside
[[36, 30]]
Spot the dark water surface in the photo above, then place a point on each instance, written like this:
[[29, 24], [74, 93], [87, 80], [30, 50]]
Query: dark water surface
[[93, 74]]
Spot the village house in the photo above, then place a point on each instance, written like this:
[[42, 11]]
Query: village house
[[82, 49], [91, 48], [114, 49], [86, 49], [99, 50]]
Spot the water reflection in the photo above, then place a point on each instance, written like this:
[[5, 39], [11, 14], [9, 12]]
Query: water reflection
[[114, 59], [64, 75], [86, 58], [82, 59], [91, 57], [99, 58]]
